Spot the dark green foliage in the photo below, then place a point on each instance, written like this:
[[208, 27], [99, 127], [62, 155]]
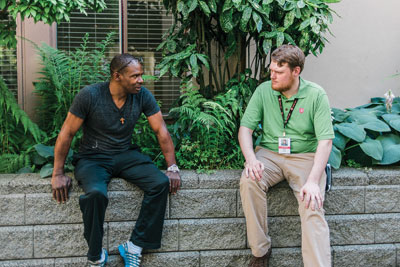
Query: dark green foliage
[[205, 131], [43, 158], [48, 11], [367, 135], [146, 140], [208, 42], [11, 163], [63, 75], [208, 33], [17, 131]]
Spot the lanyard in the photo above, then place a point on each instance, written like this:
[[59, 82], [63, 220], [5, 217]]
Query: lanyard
[[285, 122]]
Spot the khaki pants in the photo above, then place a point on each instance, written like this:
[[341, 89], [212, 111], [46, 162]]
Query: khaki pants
[[295, 168]]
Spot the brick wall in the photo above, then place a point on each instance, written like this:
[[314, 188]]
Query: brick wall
[[204, 222]]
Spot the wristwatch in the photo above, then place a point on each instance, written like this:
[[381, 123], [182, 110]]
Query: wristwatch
[[173, 168]]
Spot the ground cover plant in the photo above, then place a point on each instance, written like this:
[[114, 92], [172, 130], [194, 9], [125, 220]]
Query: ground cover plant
[[367, 135]]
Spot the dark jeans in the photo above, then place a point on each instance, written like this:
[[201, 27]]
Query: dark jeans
[[94, 172]]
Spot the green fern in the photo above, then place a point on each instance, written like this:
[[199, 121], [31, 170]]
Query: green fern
[[11, 163], [17, 131]]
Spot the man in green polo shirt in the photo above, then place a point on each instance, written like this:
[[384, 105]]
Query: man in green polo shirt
[[296, 142]]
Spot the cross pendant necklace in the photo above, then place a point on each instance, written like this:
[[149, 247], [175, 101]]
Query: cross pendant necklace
[[122, 120]]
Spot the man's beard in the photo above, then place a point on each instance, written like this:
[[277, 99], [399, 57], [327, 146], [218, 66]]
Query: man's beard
[[281, 89]]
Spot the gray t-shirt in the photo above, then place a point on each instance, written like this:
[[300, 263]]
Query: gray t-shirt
[[102, 127]]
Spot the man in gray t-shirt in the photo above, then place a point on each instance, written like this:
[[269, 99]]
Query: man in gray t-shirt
[[108, 113]]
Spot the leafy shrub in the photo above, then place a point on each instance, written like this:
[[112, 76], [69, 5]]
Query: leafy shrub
[[208, 33], [205, 130], [43, 158], [367, 135], [17, 131]]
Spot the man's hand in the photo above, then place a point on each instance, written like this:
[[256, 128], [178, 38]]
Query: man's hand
[[311, 193], [174, 181], [254, 169], [60, 185]]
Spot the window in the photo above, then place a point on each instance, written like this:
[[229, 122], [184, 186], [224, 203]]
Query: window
[[97, 25], [143, 27], [8, 67]]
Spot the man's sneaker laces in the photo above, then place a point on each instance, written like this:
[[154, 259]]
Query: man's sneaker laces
[[100, 263], [130, 259]]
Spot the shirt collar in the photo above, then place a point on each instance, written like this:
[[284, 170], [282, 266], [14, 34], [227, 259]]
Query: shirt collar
[[300, 94]]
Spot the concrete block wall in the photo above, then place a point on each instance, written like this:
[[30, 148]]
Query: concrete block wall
[[204, 226]]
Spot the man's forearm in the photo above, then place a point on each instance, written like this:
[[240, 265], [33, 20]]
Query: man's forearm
[[246, 143], [321, 158], [167, 147], [61, 150]]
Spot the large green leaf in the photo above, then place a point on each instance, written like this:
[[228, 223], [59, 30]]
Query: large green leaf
[[228, 4], [340, 140], [335, 158], [395, 108], [301, 4], [245, 18], [258, 21], [267, 44], [203, 59], [289, 18], [393, 120], [38, 160], [46, 170], [205, 8], [194, 65], [352, 131], [372, 148], [45, 151], [378, 100], [226, 21], [391, 148], [280, 38], [213, 5], [192, 5], [339, 115], [376, 125]]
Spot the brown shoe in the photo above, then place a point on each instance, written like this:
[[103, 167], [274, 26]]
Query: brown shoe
[[260, 261]]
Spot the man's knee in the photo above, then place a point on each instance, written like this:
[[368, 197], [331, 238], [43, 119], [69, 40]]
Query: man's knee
[[309, 216], [247, 183], [161, 183], [95, 194]]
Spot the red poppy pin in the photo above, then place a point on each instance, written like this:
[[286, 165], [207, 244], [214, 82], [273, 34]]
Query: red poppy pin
[[301, 110]]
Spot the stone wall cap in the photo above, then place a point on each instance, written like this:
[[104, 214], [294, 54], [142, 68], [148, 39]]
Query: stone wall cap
[[218, 179]]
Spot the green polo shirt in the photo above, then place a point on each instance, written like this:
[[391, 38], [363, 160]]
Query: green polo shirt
[[309, 123]]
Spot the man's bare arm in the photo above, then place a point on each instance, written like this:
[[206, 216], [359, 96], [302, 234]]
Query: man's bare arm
[[253, 167], [157, 123], [60, 183], [311, 191]]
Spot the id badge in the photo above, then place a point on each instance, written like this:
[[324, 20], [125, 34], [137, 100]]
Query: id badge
[[284, 145]]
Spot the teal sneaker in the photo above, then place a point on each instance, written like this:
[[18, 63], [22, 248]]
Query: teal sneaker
[[130, 259], [102, 262]]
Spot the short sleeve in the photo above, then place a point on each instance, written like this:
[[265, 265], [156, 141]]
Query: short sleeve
[[253, 114], [322, 119], [81, 104], [150, 106]]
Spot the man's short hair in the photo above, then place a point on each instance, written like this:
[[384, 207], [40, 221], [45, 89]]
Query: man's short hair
[[121, 61], [290, 54]]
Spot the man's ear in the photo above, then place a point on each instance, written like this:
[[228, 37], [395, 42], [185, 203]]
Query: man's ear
[[116, 76], [297, 71]]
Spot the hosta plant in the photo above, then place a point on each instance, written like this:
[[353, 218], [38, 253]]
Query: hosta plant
[[368, 134]]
